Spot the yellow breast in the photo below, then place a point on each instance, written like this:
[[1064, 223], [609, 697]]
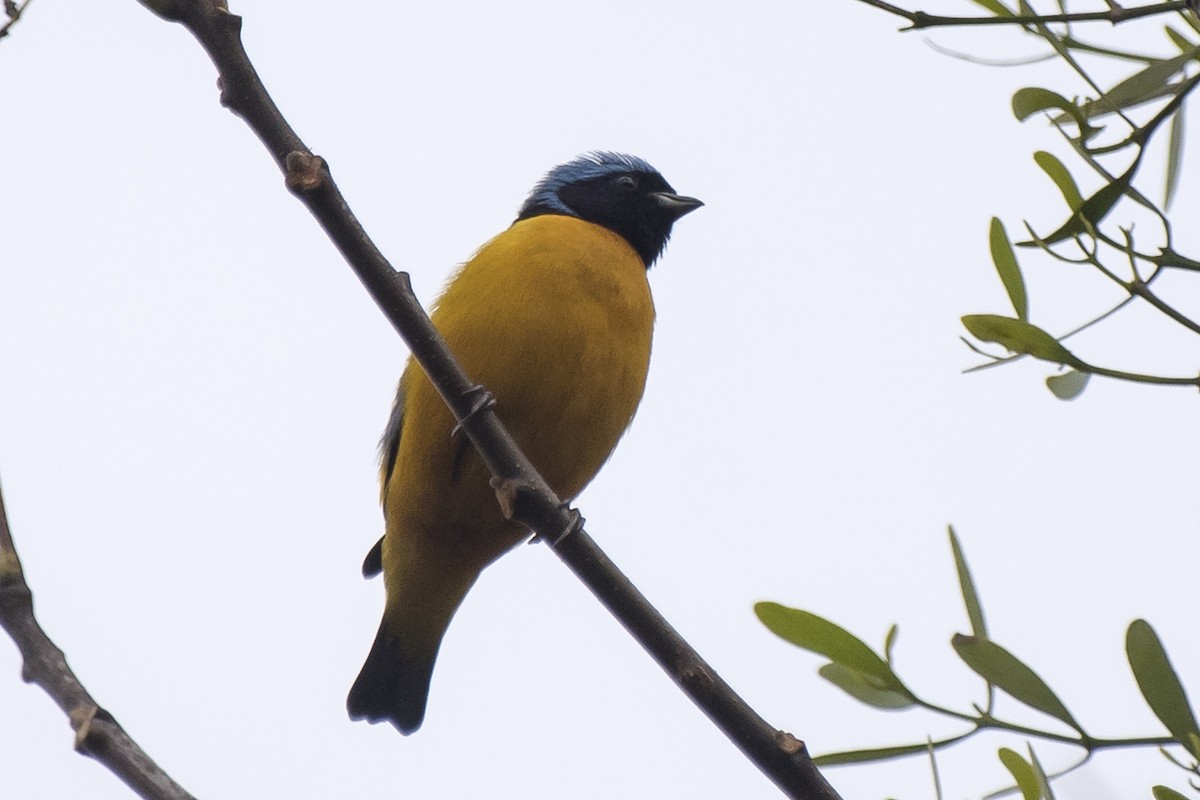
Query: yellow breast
[[555, 317]]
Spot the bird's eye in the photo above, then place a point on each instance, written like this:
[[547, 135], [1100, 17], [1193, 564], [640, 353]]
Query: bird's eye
[[626, 183]]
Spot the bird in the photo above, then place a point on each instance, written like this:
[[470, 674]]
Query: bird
[[554, 316]]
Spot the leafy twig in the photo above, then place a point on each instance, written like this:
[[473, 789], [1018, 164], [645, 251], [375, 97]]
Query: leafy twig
[[1115, 15]]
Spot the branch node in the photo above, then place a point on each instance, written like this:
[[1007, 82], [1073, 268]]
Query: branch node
[[10, 568], [81, 720], [788, 743], [514, 495], [91, 737], [304, 172], [16, 599]]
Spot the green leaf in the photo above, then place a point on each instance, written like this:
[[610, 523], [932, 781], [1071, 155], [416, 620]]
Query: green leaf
[[1043, 781], [1179, 40], [875, 754], [1006, 265], [1019, 337], [1167, 793], [1061, 177], [937, 778], [994, 6], [1002, 669], [862, 687], [967, 584], [1146, 84], [1091, 212], [1022, 772], [1032, 99], [889, 642], [1096, 109], [819, 635], [1068, 385], [1174, 156], [1160, 685]]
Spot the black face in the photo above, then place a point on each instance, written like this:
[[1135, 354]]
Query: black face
[[640, 206]]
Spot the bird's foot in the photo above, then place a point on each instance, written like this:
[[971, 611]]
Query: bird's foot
[[574, 523], [483, 400]]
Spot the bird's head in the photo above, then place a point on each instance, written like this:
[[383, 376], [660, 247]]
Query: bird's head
[[620, 192]]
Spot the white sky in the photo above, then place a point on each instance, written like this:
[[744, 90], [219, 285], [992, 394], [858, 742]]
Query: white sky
[[192, 384]]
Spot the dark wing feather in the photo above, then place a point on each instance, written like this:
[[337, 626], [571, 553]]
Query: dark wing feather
[[388, 446]]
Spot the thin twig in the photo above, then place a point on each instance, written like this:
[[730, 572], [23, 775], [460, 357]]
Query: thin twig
[[1115, 15], [13, 11], [1142, 289]]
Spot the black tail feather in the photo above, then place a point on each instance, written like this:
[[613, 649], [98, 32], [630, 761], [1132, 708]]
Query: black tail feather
[[393, 684]]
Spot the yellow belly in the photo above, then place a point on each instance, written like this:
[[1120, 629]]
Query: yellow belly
[[555, 317]]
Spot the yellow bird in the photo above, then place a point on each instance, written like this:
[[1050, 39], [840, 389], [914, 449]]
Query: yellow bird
[[555, 317]]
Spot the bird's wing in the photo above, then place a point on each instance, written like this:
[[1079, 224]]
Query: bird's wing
[[388, 446], [373, 563]]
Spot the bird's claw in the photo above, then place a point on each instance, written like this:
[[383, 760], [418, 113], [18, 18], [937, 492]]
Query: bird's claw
[[575, 524], [484, 400]]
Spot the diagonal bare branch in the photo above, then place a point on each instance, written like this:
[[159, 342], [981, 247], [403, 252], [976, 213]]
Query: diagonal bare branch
[[97, 734]]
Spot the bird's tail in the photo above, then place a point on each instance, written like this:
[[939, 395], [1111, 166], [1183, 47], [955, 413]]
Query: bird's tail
[[394, 683]]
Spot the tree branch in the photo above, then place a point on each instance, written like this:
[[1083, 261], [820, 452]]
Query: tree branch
[[523, 493], [97, 734], [13, 11], [1115, 15]]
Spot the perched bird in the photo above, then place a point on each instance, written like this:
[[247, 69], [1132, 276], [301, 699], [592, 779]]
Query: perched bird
[[554, 316]]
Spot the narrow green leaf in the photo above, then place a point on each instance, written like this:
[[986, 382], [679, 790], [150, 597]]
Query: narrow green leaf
[[1093, 210], [1095, 110], [1022, 772], [1034, 239], [889, 642], [1174, 156], [863, 688], [1019, 337], [994, 6], [1160, 685], [875, 754], [1167, 793], [967, 584], [1043, 781], [1004, 670], [1006, 265], [1146, 84], [1179, 40], [937, 778], [819, 635], [1061, 177], [1068, 385]]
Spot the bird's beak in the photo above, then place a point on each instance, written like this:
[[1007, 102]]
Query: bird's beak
[[675, 205]]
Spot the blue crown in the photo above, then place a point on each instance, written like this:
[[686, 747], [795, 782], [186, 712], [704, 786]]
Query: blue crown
[[595, 164]]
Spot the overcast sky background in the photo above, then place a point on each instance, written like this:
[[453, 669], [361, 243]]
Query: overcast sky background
[[192, 385]]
